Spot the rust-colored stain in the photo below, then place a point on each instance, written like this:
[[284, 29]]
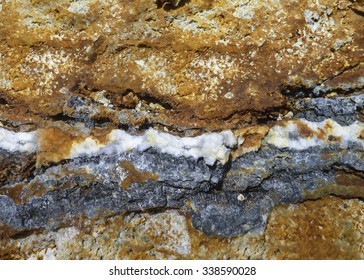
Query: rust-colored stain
[[15, 168], [6, 232], [346, 185], [142, 246], [252, 136], [8, 250], [101, 135], [321, 134], [328, 127], [327, 228], [304, 130], [16, 193], [324, 134], [361, 118], [54, 145], [362, 134], [327, 156], [21, 193], [136, 176], [12, 250]]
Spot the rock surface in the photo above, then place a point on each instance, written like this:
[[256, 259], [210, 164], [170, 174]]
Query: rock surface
[[184, 129]]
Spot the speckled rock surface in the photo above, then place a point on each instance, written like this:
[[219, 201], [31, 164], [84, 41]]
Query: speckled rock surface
[[185, 129]]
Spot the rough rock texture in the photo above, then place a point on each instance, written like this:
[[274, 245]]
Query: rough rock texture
[[328, 228], [181, 129]]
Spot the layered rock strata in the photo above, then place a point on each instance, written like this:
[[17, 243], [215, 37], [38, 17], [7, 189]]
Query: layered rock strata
[[199, 121]]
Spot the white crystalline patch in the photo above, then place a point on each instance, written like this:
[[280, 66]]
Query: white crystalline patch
[[48, 61], [313, 20], [175, 226], [5, 81], [155, 68], [24, 142], [125, 142], [61, 238], [340, 43], [288, 136], [319, 22], [278, 136], [80, 6], [200, 22], [215, 69], [170, 225], [88, 146], [211, 147], [246, 9], [229, 95], [44, 68]]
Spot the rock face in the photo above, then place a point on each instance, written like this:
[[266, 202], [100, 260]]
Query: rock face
[[181, 129]]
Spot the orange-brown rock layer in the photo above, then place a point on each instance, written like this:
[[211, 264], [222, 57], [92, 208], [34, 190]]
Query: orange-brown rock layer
[[203, 64]]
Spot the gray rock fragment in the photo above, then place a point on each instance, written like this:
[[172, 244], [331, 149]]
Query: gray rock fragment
[[343, 110]]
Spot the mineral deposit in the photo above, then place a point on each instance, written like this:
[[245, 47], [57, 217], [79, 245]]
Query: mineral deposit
[[190, 129]]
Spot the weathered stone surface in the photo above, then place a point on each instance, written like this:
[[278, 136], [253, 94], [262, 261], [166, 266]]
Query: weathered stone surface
[[159, 235], [202, 64], [328, 228], [101, 186], [145, 121], [344, 110]]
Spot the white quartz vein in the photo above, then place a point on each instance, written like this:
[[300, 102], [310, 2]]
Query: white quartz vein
[[323, 133], [24, 142], [211, 147]]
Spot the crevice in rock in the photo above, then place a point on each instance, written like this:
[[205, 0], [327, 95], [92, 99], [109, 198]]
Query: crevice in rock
[[358, 10], [169, 5], [25, 233], [3, 101], [63, 118], [299, 92], [148, 98]]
